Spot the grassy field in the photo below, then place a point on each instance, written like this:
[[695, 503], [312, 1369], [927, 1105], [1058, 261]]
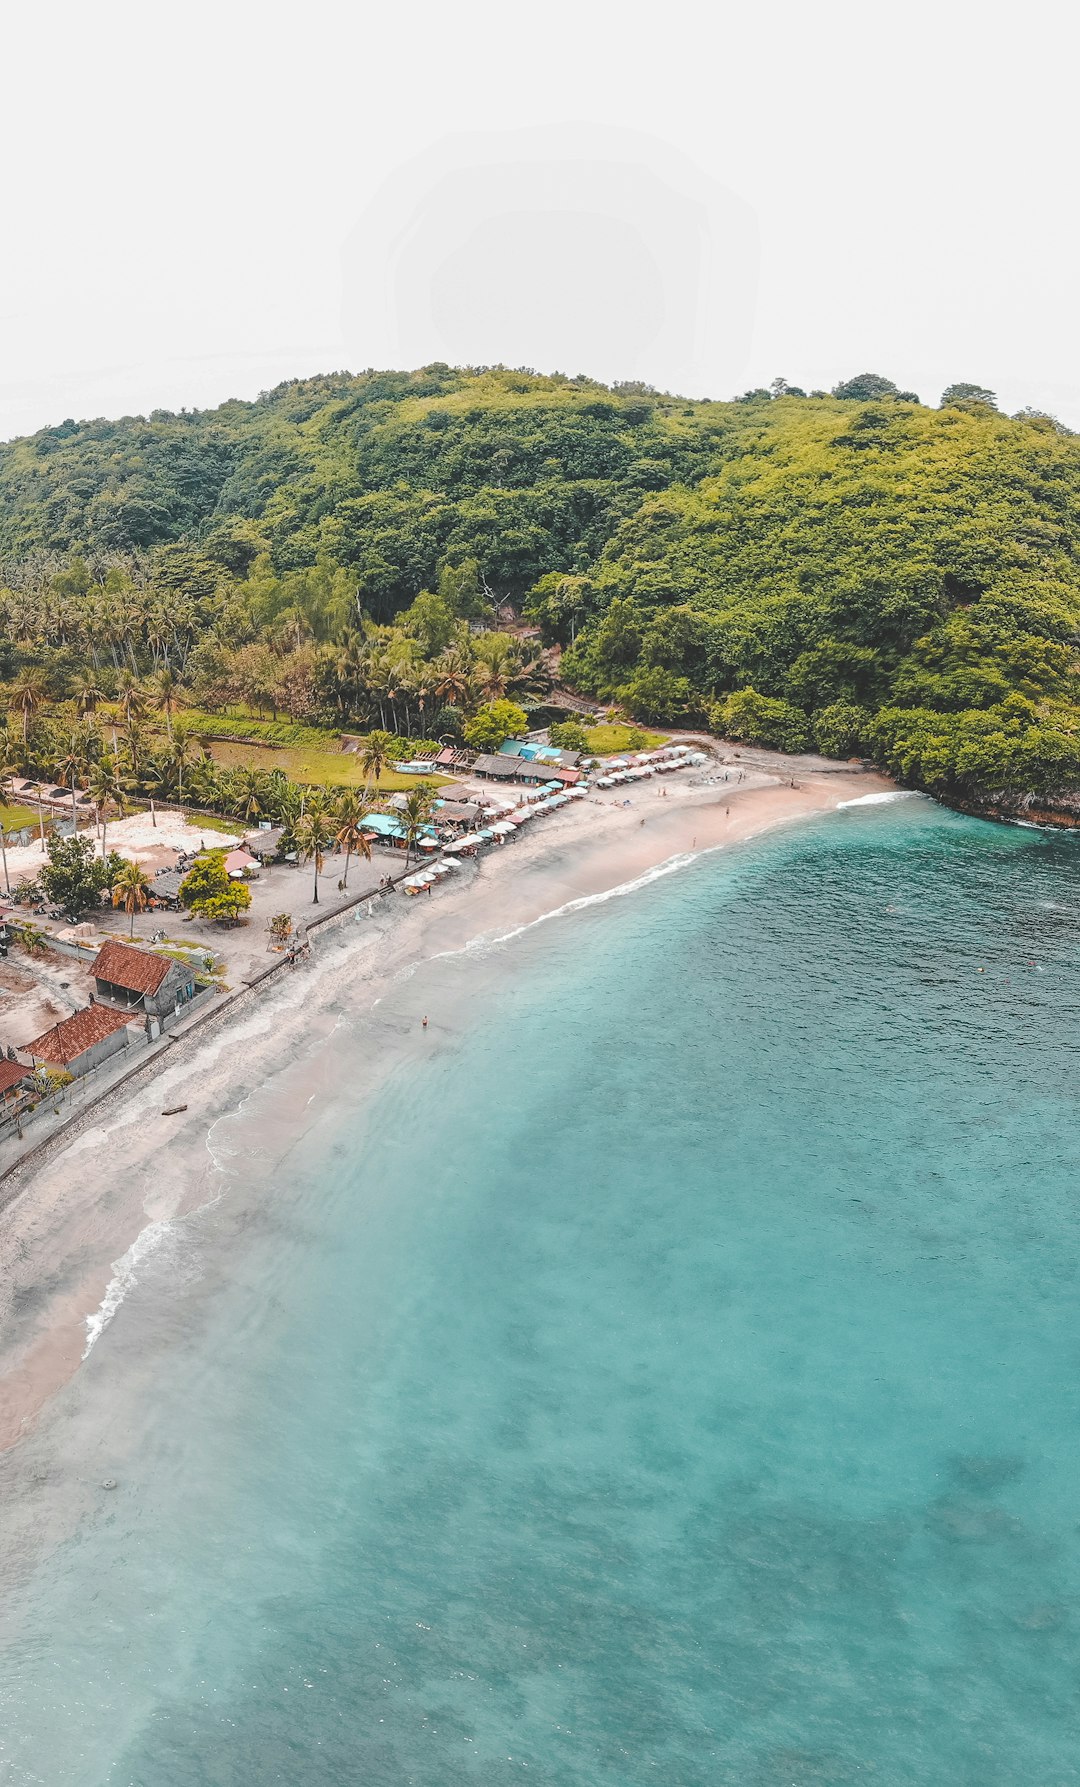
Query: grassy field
[[15, 818], [323, 769], [240, 723], [607, 741]]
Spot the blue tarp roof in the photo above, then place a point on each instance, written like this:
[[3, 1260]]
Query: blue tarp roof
[[388, 825]]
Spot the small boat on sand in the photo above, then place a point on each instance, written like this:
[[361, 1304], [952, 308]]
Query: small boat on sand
[[173, 1110]]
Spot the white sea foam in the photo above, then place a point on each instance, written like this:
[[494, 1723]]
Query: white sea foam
[[878, 800], [668, 867], [125, 1274]]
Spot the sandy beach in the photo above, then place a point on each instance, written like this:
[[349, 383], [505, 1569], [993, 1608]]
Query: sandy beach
[[72, 1228]]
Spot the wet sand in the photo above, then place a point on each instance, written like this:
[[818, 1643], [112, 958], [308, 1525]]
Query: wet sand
[[92, 1199]]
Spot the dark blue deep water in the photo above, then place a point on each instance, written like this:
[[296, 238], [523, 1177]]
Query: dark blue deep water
[[670, 1374]]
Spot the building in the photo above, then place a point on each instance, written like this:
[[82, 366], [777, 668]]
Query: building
[[13, 1080], [83, 1041], [140, 979], [502, 768], [165, 889], [239, 864], [265, 844], [386, 828], [517, 747]]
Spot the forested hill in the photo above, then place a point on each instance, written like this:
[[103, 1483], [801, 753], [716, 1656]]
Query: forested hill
[[857, 571]]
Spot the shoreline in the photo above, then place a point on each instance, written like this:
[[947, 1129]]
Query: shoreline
[[70, 1232]]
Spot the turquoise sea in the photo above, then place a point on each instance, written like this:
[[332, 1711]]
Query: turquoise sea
[[671, 1375]]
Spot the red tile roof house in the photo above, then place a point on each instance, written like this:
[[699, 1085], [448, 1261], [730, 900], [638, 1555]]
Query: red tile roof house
[[13, 1079], [83, 1041], [142, 980]]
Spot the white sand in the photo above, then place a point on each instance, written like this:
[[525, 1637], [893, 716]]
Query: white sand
[[136, 837]]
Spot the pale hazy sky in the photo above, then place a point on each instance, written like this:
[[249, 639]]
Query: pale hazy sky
[[201, 200]]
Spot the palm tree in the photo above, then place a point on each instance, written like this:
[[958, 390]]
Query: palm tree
[[414, 816], [250, 794], [7, 770], [131, 890], [157, 780], [166, 696], [132, 698], [86, 695], [178, 757], [451, 673], [314, 832], [106, 790], [376, 755], [494, 664], [27, 696], [352, 811], [68, 767], [135, 747]]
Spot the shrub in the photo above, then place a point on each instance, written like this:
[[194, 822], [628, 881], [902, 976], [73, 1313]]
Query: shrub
[[841, 730], [569, 735], [762, 720], [493, 723]]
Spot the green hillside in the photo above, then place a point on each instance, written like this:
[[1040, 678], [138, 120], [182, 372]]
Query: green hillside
[[832, 572]]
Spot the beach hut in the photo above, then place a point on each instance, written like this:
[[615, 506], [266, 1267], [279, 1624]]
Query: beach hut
[[239, 864]]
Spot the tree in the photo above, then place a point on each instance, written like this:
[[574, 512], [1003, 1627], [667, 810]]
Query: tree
[[761, 720], [86, 695], [210, 892], [314, 833], [958, 395], [376, 755], [7, 770], [106, 789], [74, 877], [493, 723], [279, 930], [250, 793], [415, 815], [166, 695], [131, 697], [73, 761], [841, 729], [569, 735], [494, 654], [27, 696], [351, 813], [45, 1081], [225, 907], [131, 890], [865, 387], [656, 694], [450, 674], [180, 754]]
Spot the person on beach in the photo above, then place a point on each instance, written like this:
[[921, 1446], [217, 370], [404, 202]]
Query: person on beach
[[423, 1022]]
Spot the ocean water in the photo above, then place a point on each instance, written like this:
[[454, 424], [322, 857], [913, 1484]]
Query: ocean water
[[669, 1372]]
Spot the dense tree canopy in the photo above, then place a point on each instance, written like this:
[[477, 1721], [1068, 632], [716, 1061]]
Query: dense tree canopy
[[853, 570]]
